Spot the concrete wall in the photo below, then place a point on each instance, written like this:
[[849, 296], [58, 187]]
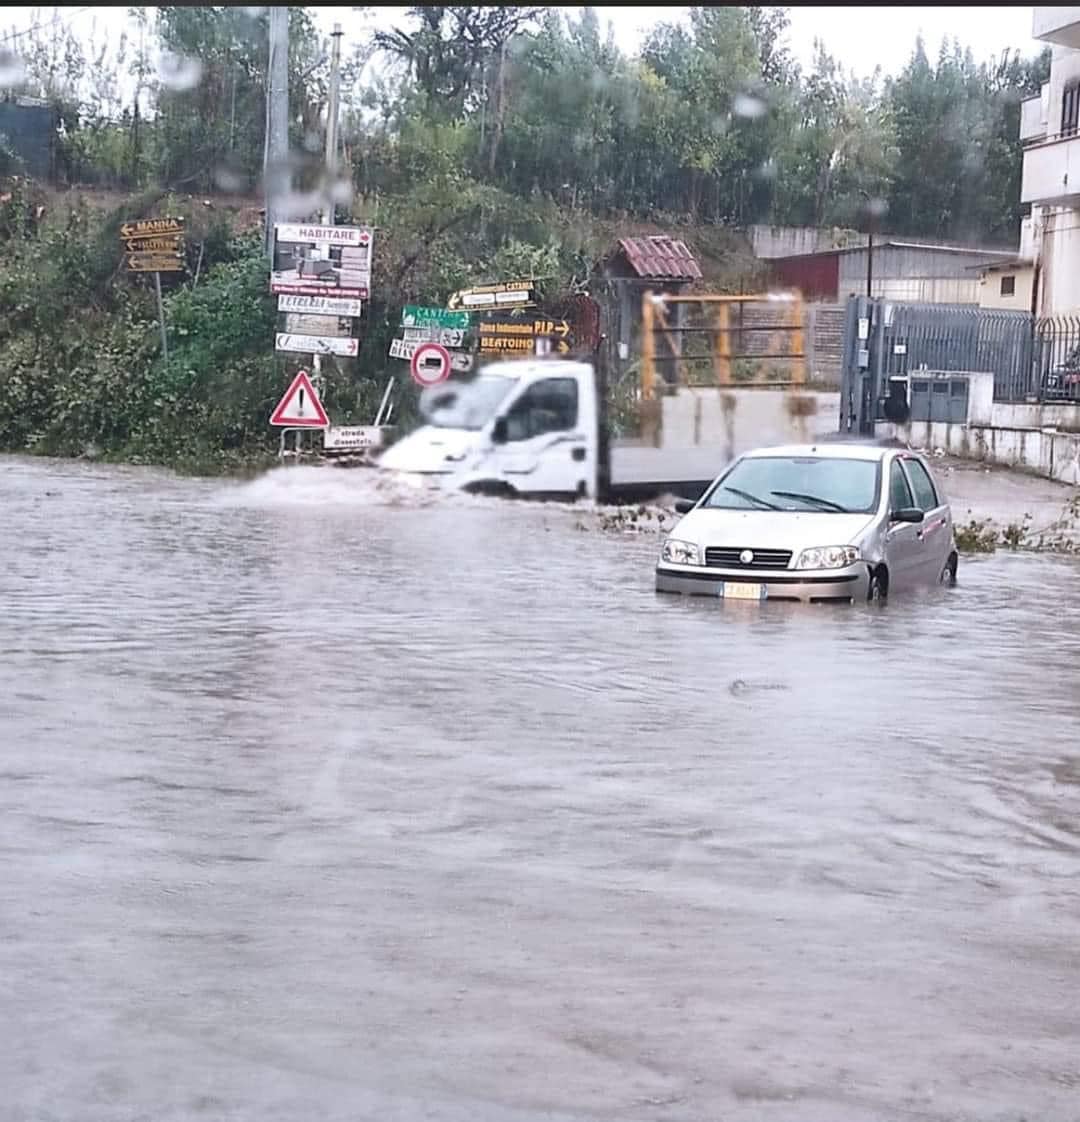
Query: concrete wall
[[1042, 438], [702, 430], [1055, 455], [788, 241], [1060, 261], [1056, 24], [990, 288], [1034, 116]]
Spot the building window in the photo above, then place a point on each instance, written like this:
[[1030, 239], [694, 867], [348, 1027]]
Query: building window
[[1070, 108], [1008, 286]]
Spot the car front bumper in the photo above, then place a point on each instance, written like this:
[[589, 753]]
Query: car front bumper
[[807, 586]]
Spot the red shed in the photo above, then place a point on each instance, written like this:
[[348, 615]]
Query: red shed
[[816, 275]]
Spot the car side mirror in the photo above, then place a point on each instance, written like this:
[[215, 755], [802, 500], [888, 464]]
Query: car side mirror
[[907, 514], [498, 431], [684, 506]]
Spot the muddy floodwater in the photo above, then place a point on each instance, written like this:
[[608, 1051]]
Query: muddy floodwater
[[318, 802]]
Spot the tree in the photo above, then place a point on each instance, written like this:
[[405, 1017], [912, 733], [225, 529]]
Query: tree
[[449, 51]]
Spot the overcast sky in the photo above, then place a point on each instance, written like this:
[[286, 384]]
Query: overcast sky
[[860, 38]]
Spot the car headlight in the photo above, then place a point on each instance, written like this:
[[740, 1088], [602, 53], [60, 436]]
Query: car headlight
[[680, 553], [828, 557]]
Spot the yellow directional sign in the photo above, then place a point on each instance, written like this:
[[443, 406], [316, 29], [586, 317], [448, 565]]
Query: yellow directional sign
[[154, 262], [169, 244], [521, 344], [557, 328], [152, 228]]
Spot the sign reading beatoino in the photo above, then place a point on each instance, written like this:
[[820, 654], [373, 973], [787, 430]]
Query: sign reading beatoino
[[311, 260]]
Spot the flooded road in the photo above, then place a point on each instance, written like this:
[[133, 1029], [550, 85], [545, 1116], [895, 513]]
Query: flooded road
[[315, 805]]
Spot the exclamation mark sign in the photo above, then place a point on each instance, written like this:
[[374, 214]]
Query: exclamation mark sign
[[300, 407]]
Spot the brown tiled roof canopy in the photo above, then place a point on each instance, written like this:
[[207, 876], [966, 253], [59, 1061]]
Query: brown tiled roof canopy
[[660, 257]]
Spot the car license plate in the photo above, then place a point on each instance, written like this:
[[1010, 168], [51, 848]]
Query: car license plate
[[736, 590]]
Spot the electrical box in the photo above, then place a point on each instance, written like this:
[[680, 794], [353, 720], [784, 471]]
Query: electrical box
[[939, 396]]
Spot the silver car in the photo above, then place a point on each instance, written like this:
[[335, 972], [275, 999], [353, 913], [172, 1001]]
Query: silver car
[[814, 523]]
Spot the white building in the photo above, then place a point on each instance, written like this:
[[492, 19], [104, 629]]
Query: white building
[[1050, 131]]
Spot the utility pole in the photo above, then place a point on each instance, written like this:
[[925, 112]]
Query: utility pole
[[276, 174], [331, 159], [332, 124]]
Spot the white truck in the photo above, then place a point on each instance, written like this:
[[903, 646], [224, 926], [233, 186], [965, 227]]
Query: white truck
[[538, 429]]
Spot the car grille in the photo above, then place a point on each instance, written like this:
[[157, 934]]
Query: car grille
[[724, 558]]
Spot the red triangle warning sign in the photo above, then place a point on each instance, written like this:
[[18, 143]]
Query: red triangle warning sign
[[300, 408]]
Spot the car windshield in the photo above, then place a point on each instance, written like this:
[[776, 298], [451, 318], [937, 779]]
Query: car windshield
[[798, 483], [464, 405]]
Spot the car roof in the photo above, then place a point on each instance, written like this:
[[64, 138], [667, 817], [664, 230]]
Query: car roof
[[827, 451]]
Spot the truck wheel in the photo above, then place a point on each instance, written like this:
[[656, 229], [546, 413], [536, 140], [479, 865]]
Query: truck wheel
[[492, 488]]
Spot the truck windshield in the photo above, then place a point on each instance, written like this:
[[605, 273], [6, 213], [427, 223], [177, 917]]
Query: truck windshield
[[802, 483], [464, 405]]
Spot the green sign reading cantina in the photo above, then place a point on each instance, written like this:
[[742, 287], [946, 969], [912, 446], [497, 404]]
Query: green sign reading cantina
[[412, 316]]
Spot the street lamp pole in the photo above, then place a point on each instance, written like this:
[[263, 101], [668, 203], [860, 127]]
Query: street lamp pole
[[870, 262]]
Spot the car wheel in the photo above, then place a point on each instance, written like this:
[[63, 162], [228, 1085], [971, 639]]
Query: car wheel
[[878, 589], [948, 574]]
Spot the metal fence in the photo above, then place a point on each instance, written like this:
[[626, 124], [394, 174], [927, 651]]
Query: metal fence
[[1056, 359], [958, 337]]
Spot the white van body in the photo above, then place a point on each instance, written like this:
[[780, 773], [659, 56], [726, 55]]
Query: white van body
[[526, 428]]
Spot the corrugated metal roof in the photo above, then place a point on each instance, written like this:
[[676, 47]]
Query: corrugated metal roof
[[893, 243], [660, 257]]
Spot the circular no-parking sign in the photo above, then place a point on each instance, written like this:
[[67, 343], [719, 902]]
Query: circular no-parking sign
[[430, 364]]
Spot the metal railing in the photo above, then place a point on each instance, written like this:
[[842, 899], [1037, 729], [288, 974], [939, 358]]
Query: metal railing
[[958, 337], [1031, 360], [1056, 359]]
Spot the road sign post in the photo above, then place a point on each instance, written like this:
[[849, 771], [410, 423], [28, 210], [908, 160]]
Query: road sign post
[[161, 318]]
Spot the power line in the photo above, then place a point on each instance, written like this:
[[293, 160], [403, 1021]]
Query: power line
[[11, 36]]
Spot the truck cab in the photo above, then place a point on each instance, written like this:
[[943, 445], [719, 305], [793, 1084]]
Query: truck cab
[[527, 428]]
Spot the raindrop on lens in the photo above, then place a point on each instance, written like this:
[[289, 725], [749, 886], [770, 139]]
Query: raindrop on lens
[[12, 69], [179, 72], [341, 192], [746, 105], [227, 180]]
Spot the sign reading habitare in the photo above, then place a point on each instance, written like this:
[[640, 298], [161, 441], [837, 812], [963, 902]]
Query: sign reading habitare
[[326, 235], [332, 261]]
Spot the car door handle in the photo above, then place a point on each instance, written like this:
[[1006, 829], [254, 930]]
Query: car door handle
[[577, 454]]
